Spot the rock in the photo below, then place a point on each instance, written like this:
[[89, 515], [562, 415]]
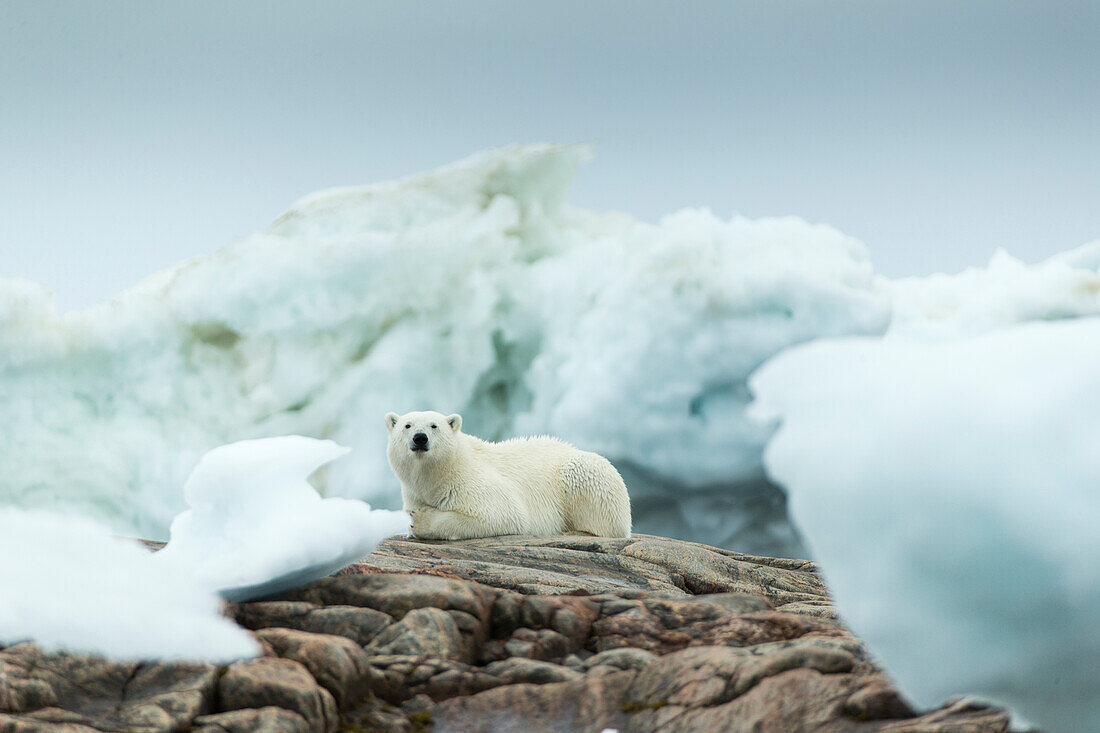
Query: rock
[[821, 609], [582, 705], [261, 720], [790, 702], [664, 625], [360, 625], [405, 677], [618, 659], [696, 677], [797, 700], [414, 716], [538, 627], [509, 633], [960, 716], [530, 671], [423, 632], [46, 720], [396, 595], [545, 644], [338, 664], [747, 603], [282, 683], [877, 700], [97, 693], [593, 565]]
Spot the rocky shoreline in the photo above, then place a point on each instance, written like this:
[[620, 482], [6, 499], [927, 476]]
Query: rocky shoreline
[[508, 634]]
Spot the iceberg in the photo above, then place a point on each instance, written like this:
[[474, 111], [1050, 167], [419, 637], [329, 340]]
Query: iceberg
[[949, 489], [475, 288], [255, 527], [131, 607], [1006, 292]]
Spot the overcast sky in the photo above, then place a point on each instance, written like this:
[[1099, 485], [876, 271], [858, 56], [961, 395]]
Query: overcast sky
[[134, 134]]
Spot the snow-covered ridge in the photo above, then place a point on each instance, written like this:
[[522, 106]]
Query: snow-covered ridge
[[474, 288]]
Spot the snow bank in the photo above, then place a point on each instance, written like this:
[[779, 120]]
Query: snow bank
[[68, 585], [472, 289], [256, 527], [950, 491], [1006, 292]]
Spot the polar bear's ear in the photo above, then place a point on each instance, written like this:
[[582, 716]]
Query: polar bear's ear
[[391, 420], [455, 421]]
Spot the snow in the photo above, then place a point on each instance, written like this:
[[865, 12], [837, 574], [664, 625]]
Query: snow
[[1006, 292], [130, 606], [949, 490], [256, 527], [474, 288]]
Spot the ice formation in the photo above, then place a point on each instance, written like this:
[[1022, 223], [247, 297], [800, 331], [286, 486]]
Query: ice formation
[[128, 606], [949, 488], [1006, 292], [474, 289], [256, 527]]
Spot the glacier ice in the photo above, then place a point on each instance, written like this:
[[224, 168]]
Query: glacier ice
[[474, 288], [255, 527], [130, 606], [950, 489]]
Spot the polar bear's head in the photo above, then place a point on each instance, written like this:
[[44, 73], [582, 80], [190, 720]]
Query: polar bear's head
[[421, 439]]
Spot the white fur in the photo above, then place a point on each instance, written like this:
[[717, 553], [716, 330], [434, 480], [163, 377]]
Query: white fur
[[463, 486]]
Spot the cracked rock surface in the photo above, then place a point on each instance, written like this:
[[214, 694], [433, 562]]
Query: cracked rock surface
[[508, 634]]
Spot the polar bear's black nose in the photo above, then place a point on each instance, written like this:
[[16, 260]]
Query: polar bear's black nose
[[420, 440]]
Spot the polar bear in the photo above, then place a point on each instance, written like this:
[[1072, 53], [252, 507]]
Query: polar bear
[[457, 486]]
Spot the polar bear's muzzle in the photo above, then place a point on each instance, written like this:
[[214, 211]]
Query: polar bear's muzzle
[[419, 443]]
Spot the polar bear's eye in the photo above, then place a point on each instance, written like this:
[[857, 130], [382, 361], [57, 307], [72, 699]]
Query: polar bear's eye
[[434, 427], [408, 425]]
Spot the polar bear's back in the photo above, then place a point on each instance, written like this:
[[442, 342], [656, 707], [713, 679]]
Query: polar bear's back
[[534, 463], [564, 488], [517, 448]]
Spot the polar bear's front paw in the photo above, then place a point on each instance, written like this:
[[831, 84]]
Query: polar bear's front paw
[[430, 523], [421, 522]]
